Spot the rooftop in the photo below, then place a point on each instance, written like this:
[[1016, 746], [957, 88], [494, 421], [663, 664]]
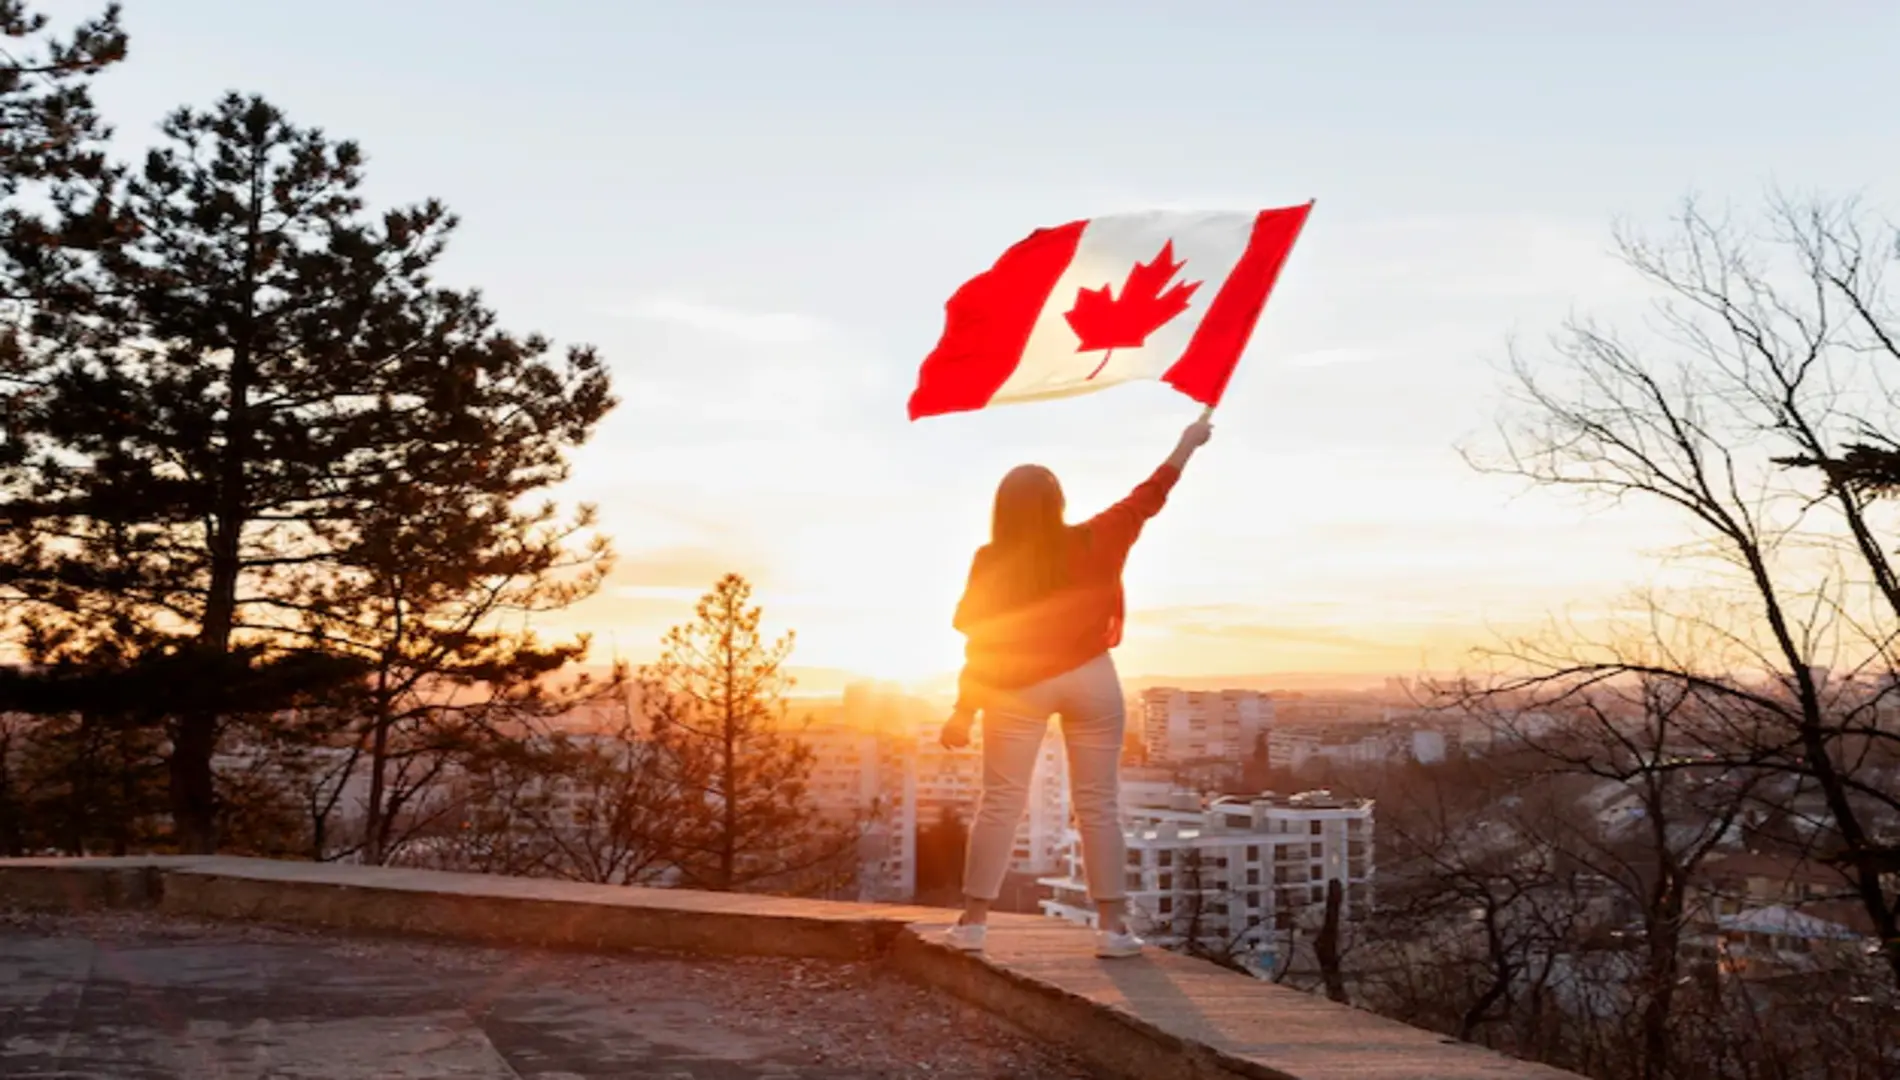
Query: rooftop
[[187, 967], [140, 995]]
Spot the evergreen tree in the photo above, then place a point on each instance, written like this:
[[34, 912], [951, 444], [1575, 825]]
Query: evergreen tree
[[715, 703], [442, 551], [54, 173], [218, 417], [48, 127]]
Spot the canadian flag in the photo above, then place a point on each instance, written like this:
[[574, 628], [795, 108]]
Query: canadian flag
[[1069, 310]]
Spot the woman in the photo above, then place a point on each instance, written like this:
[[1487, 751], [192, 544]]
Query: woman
[[1042, 609]]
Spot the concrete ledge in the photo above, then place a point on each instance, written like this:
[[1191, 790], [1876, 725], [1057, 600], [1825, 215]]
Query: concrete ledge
[[1167, 1015], [473, 907], [465, 907], [85, 884], [1158, 1015]]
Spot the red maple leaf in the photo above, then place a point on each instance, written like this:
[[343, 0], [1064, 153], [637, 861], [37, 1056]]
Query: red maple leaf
[[1102, 322]]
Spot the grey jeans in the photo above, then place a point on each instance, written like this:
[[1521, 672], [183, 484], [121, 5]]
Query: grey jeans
[[1089, 699]]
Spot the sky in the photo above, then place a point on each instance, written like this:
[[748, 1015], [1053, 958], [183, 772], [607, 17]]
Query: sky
[[757, 210]]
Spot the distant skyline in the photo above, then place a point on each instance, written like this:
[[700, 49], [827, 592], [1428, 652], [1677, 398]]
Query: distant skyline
[[757, 210]]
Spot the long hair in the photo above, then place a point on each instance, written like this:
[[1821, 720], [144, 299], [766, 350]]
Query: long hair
[[1027, 536]]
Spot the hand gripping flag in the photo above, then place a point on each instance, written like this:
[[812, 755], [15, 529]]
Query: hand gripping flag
[[1158, 295]]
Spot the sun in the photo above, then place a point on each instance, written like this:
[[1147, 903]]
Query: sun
[[875, 649]]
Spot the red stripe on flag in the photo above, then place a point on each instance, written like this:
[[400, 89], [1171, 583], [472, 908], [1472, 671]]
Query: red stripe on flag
[[1211, 355], [988, 322]]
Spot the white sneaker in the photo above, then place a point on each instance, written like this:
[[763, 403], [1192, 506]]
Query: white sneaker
[[966, 937], [1117, 943]]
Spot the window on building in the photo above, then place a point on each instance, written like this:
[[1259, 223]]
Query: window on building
[[1313, 874], [1167, 882], [1253, 877], [1315, 828], [1134, 856], [1253, 853], [1318, 850], [1319, 893], [1166, 858], [1167, 905]]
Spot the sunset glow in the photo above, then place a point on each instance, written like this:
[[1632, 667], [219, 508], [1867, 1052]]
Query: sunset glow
[[761, 245]]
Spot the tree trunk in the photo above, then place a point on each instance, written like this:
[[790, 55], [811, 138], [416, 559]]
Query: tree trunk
[[729, 762], [1502, 972], [194, 786], [194, 794], [1326, 947], [11, 839], [1659, 972], [729, 800], [375, 832], [129, 800]]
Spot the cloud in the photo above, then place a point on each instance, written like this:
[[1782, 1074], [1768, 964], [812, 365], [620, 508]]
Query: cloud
[[751, 327]]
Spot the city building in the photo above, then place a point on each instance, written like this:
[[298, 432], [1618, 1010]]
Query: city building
[[868, 779], [1196, 725], [1233, 873], [1297, 748], [878, 764]]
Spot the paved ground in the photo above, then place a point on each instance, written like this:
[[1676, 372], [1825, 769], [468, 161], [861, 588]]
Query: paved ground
[[131, 997]]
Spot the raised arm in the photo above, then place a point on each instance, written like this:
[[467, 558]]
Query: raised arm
[[1193, 438], [1120, 524]]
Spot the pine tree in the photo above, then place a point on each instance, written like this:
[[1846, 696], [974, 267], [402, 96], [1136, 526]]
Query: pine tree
[[439, 562], [48, 127], [220, 414], [715, 703], [443, 549], [54, 174]]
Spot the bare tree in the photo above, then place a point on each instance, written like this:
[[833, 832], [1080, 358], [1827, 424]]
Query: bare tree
[[1201, 921], [1774, 345], [1656, 805], [616, 827], [1477, 908]]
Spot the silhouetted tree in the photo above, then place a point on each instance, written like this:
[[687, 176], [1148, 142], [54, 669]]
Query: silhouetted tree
[[1775, 348], [715, 704], [219, 419], [442, 553], [55, 184], [48, 127]]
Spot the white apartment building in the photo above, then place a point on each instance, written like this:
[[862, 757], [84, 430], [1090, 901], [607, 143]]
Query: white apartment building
[[952, 780], [869, 779], [1296, 748], [1194, 725], [1235, 870], [882, 766], [948, 781], [1042, 836]]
